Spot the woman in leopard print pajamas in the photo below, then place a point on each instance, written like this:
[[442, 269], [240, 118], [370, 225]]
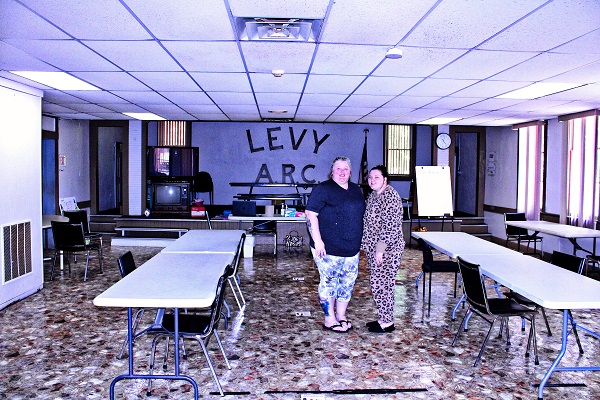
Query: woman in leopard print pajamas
[[383, 243]]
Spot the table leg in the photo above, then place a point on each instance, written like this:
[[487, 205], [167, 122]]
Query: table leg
[[131, 375], [561, 353]]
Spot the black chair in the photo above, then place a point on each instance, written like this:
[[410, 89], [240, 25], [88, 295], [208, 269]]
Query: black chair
[[126, 266], [203, 183], [234, 279], [70, 240], [491, 309], [200, 326], [431, 266], [265, 228], [81, 216], [519, 235]]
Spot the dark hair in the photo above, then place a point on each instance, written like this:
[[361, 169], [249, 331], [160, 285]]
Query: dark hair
[[382, 169]]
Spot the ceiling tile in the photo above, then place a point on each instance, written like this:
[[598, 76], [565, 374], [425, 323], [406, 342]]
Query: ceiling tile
[[364, 100], [278, 99], [195, 20], [380, 23], [233, 98], [490, 88], [479, 64], [267, 56], [548, 27], [134, 55], [90, 19], [326, 100], [13, 59], [357, 60], [222, 82], [582, 45], [587, 74], [206, 56], [439, 87], [342, 84], [37, 28], [545, 66], [112, 80], [459, 24], [452, 103], [270, 83], [202, 109], [418, 62], [313, 9], [142, 98], [168, 81], [382, 86], [188, 98], [493, 104], [67, 55]]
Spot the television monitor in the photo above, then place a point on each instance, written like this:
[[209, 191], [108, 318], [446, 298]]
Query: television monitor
[[170, 196], [172, 162]]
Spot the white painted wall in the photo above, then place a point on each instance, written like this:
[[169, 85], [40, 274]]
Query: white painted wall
[[227, 153], [21, 178]]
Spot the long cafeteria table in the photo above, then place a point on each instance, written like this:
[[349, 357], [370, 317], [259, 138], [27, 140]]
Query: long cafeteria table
[[546, 284], [168, 280]]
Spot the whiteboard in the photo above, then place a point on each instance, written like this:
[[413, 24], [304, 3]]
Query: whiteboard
[[434, 192]]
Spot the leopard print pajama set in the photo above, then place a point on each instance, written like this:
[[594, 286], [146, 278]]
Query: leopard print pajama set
[[382, 231]]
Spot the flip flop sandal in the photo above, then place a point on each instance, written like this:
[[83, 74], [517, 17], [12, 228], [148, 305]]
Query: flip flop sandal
[[331, 328], [348, 324]]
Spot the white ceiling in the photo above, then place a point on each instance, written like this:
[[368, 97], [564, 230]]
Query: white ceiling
[[181, 59]]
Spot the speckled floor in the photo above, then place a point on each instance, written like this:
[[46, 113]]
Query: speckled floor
[[57, 345]]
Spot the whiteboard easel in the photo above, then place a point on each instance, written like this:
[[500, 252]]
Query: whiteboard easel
[[434, 192]]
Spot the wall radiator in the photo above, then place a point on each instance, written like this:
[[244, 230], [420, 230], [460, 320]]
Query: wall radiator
[[16, 250]]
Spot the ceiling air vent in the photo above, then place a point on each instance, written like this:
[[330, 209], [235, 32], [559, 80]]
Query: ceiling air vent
[[278, 29]]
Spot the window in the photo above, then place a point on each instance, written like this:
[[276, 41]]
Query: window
[[398, 150], [174, 133], [530, 180], [582, 170]]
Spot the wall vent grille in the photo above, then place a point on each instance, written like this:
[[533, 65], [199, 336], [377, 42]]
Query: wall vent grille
[[16, 250]]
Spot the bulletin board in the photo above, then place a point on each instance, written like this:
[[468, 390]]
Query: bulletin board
[[434, 191]]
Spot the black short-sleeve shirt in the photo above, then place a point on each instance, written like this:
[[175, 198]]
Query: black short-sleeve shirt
[[340, 217]]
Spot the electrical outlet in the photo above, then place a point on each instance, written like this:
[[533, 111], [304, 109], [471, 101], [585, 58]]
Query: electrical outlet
[[298, 278], [312, 396], [302, 313]]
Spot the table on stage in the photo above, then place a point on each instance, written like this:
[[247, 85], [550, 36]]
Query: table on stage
[[548, 285], [167, 280], [570, 232], [261, 217], [206, 241]]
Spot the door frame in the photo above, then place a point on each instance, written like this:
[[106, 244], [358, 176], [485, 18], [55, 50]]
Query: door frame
[[94, 178], [481, 160]]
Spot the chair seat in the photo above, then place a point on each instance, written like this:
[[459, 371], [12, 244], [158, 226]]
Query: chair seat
[[189, 324], [507, 307], [440, 266], [519, 298]]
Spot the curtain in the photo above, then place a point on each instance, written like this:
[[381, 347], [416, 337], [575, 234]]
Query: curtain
[[529, 174], [582, 185]]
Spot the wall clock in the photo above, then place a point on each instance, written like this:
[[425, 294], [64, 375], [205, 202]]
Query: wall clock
[[443, 141]]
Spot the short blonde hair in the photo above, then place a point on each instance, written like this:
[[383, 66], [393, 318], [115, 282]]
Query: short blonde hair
[[340, 158]]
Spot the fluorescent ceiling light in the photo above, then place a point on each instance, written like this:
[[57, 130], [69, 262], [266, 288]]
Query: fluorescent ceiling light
[[56, 80], [144, 116], [539, 89], [439, 121]]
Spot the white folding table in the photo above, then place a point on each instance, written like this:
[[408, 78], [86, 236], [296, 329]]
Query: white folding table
[[570, 232], [549, 286], [206, 241], [167, 280]]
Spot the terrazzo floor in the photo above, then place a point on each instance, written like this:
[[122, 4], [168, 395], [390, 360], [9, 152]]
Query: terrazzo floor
[[56, 344]]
